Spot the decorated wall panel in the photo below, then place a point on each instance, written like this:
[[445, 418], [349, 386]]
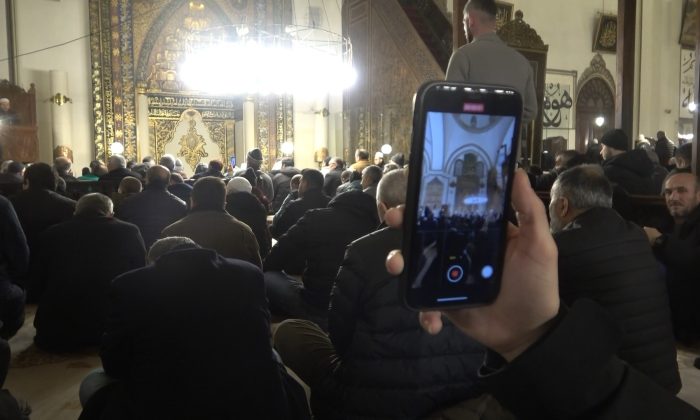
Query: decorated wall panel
[[137, 48], [392, 61]]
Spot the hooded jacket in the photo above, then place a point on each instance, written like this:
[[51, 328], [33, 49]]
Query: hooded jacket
[[319, 239], [632, 171]]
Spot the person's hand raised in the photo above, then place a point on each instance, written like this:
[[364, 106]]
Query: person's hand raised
[[529, 296]]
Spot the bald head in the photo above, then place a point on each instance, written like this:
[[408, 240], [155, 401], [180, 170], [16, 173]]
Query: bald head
[[157, 177], [94, 205]]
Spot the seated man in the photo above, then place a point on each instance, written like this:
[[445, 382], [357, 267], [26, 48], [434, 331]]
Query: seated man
[[535, 366], [679, 251], [244, 206], [377, 361], [188, 337], [311, 196], [332, 178], [14, 260], [38, 207], [280, 182], [214, 169], [318, 240], [77, 261], [607, 259], [154, 208], [210, 226], [178, 188], [13, 174], [371, 176], [116, 165]]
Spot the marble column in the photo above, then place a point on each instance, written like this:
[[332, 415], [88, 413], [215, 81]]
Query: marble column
[[61, 124], [143, 141]]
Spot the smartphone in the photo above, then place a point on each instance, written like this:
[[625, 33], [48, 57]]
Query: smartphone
[[232, 160], [463, 156]]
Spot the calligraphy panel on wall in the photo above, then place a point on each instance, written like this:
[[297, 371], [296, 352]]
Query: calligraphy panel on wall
[[687, 84], [559, 102]]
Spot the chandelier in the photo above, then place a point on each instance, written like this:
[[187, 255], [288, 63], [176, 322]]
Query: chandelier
[[248, 59]]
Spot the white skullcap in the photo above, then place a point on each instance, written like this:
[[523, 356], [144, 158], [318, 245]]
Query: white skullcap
[[238, 184], [4, 101], [379, 155]]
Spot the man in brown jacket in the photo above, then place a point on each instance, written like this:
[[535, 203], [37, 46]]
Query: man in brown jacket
[[210, 226]]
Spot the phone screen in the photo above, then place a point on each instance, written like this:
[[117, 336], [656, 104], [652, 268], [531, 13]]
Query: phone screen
[[459, 225]]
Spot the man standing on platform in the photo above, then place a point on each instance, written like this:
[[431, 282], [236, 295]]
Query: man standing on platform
[[486, 59]]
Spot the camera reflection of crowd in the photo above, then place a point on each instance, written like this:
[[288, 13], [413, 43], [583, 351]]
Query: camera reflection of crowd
[[456, 235]]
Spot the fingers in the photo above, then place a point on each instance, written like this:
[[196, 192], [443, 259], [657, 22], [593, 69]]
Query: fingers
[[431, 322], [532, 218], [394, 216], [394, 262]]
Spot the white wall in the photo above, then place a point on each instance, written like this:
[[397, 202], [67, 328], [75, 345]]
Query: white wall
[[660, 67], [43, 23], [4, 64]]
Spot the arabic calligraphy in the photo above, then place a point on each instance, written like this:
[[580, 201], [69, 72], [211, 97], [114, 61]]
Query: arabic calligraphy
[[687, 82], [557, 105]]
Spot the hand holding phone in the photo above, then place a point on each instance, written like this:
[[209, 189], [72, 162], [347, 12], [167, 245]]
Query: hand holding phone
[[529, 296], [463, 153]]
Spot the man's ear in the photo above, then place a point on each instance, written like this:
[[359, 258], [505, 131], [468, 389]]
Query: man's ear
[[564, 206]]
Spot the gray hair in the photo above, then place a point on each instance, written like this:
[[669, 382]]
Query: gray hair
[[165, 245], [94, 204], [392, 188], [585, 186], [118, 160]]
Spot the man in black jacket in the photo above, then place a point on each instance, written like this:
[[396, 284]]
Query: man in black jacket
[[679, 251], [38, 207], [116, 165], [280, 182], [607, 259], [154, 208], [311, 196], [14, 261], [77, 261], [332, 178], [159, 318], [535, 365], [632, 170], [318, 239], [377, 362]]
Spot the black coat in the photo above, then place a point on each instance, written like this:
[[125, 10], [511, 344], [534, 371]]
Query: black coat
[[572, 373], [288, 216], [319, 239], [679, 251], [390, 367], [245, 207], [14, 261], [604, 258], [632, 171], [181, 191], [280, 183], [37, 210], [152, 210], [189, 338], [115, 176], [78, 260], [331, 182], [9, 409]]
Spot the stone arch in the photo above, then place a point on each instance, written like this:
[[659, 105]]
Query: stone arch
[[595, 96]]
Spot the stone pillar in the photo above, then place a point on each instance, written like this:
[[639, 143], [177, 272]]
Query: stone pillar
[[143, 141], [61, 124], [249, 127]]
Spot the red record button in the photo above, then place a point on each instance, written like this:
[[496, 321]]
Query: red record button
[[455, 274]]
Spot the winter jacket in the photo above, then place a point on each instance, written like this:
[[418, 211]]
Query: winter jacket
[[151, 210], [389, 366], [632, 171], [280, 183], [604, 258], [319, 239], [312, 199], [78, 260], [246, 208]]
